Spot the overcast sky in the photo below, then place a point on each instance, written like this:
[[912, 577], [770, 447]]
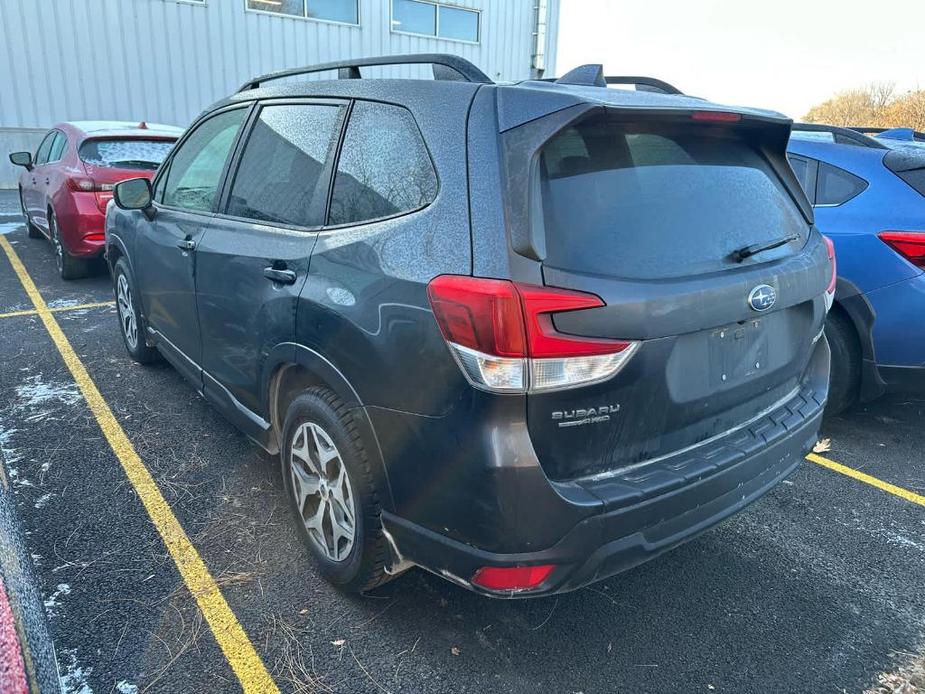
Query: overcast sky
[[785, 55]]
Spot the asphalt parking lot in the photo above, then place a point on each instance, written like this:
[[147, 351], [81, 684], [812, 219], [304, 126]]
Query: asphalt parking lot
[[817, 587]]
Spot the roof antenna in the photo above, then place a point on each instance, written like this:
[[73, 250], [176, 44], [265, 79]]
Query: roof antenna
[[590, 75]]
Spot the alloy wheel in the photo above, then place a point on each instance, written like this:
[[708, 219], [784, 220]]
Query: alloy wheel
[[322, 491], [56, 242], [126, 311]]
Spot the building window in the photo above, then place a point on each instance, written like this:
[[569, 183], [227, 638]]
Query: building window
[[344, 11], [435, 19]]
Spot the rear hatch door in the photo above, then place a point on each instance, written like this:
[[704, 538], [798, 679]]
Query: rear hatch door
[[648, 212]]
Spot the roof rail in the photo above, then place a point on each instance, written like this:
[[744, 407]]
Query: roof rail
[[648, 84], [841, 134], [445, 67]]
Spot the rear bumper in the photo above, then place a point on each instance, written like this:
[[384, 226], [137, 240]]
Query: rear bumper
[[81, 224], [625, 519], [615, 541]]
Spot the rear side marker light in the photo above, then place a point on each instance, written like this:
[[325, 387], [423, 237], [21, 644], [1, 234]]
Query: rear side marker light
[[833, 279], [512, 577], [909, 244], [502, 335], [716, 117]]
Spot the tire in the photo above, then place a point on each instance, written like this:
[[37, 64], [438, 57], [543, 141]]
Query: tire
[[32, 230], [69, 267], [131, 322], [845, 382], [318, 421]]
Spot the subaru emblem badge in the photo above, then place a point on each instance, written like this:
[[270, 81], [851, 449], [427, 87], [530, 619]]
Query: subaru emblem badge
[[762, 297]]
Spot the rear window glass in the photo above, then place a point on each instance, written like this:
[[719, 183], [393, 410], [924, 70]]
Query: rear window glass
[[915, 178], [144, 155], [646, 201]]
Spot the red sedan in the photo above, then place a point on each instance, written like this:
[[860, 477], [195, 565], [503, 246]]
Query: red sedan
[[66, 186]]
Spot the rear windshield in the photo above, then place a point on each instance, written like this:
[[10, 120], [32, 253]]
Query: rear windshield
[[125, 153], [646, 201], [909, 165]]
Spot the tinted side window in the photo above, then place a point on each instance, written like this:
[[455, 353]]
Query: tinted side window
[[835, 186], [41, 154], [280, 176], [196, 168], [801, 167], [161, 184], [384, 168], [58, 147]]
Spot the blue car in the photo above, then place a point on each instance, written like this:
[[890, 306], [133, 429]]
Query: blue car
[[870, 200]]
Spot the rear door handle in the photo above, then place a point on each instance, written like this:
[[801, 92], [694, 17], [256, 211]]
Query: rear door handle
[[281, 276], [187, 245]]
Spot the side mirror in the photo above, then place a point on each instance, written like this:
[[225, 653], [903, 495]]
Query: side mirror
[[22, 159], [134, 194]]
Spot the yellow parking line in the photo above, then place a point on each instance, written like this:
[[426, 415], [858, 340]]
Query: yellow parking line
[[228, 632], [59, 309], [867, 479]]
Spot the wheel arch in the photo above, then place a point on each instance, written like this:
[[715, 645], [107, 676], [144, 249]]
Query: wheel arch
[[115, 249], [292, 368], [854, 306]]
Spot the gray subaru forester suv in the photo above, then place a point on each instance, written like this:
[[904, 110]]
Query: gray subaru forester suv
[[524, 336]]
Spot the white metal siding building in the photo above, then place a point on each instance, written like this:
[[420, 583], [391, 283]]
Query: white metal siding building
[[166, 60]]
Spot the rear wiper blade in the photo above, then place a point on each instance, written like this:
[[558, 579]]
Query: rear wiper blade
[[747, 252]]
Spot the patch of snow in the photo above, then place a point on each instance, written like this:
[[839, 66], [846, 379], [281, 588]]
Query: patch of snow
[[74, 677], [42, 500], [9, 228], [35, 393], [7, 452], [127, 687], [51, 602]]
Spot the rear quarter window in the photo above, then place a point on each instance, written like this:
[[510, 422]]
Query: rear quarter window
[[658, 200], [384, 168], [835, 186]]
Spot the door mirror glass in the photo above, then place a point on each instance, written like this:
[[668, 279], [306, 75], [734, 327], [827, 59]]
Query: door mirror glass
[[22, 159], [133, 194]]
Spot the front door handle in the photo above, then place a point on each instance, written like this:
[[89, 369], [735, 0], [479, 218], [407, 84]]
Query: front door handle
[[280, 276], [187, 245]]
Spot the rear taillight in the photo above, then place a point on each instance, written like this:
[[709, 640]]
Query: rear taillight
[[85, 184], [909, 244], [503, 337], [829, 295], [833, 279], [512, 577]]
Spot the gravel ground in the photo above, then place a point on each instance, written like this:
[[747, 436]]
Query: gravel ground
[[816, 587]]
